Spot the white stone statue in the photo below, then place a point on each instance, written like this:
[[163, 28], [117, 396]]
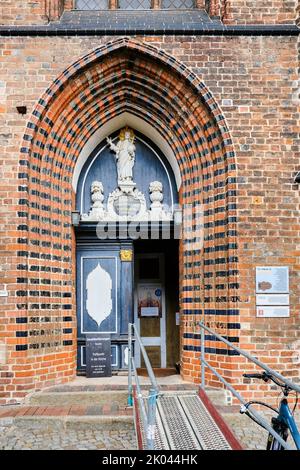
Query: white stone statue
[[97, 197], [156, 194], [157, 211], [126, 202], [125, 154]]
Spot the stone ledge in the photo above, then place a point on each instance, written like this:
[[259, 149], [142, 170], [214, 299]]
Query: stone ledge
[[111, 23]]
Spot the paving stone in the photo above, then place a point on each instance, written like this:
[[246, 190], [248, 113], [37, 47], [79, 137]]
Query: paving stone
[[45, 438], [250, 435], [87, 436]]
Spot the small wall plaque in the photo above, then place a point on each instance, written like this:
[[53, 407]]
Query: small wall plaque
[[273, 312], [272, 292], [272, 299], [272, 280]]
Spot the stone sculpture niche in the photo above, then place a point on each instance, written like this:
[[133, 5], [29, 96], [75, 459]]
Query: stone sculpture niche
[[126, 202]]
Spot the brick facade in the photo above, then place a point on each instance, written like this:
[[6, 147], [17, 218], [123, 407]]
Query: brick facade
[[254, 12], [229, 107], [259, 11], [18, 12], [28, 12]]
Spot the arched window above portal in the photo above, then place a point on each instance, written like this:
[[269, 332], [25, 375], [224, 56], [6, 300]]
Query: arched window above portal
[[126, 177]]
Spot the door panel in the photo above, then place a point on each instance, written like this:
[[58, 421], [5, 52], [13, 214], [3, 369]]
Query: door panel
[[149, 275], [154, 354], [150, 326], [104, 299], [99, 293]]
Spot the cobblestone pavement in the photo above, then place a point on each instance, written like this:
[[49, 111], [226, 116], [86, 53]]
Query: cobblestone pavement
[[82, 438], [250, 435], [70, 428]]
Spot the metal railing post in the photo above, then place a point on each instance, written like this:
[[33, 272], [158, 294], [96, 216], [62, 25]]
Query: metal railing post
[[146, 360], [203, 358], [151, 418], [204, 364], [130, 394]]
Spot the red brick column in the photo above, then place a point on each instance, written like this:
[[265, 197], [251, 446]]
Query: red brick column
[[200, 4], [54, 9], [113, 4], [156, 4], [69, 4], [214, 8]]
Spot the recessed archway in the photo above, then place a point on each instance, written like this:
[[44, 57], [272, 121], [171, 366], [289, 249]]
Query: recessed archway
[[123, 120], [127, 78]]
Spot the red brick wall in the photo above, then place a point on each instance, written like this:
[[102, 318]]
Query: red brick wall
[[259, 11], [254, 81], [23, 12], [27, 12], [31, 12]]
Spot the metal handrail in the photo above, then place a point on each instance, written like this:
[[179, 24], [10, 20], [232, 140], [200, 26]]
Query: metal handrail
[[288, 382], [258, 417], [146, 359], [149, 417]]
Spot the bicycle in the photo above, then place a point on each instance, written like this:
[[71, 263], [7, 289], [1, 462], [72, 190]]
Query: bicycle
[[284, 422]]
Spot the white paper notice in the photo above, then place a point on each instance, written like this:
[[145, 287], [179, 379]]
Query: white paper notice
[[272, 299], [150, 312]]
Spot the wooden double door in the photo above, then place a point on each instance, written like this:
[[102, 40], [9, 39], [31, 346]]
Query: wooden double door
[[104, 297], [118, 283]]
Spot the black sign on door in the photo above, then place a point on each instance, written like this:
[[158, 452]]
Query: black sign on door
[[98, 356]]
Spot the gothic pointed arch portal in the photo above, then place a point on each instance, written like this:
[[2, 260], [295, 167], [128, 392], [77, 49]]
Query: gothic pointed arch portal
[[126, 76]]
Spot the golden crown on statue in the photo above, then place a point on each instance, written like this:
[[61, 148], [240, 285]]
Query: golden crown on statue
[[127, 130]]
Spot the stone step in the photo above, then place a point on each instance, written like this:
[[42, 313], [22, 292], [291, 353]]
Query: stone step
[[83, 398], [107, 417], [74, 410], [117, 387], [99, 423], [86, 388]]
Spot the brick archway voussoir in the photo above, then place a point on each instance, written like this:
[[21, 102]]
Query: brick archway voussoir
[[188, 117]]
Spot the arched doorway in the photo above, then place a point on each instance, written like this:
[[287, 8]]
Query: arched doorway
[[127, 76], [131, 215]]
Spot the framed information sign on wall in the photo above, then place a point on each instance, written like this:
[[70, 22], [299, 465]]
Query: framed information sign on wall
[[272, 291]]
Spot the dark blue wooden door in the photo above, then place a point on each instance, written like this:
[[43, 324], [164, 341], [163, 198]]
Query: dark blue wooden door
[[104, 299]]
